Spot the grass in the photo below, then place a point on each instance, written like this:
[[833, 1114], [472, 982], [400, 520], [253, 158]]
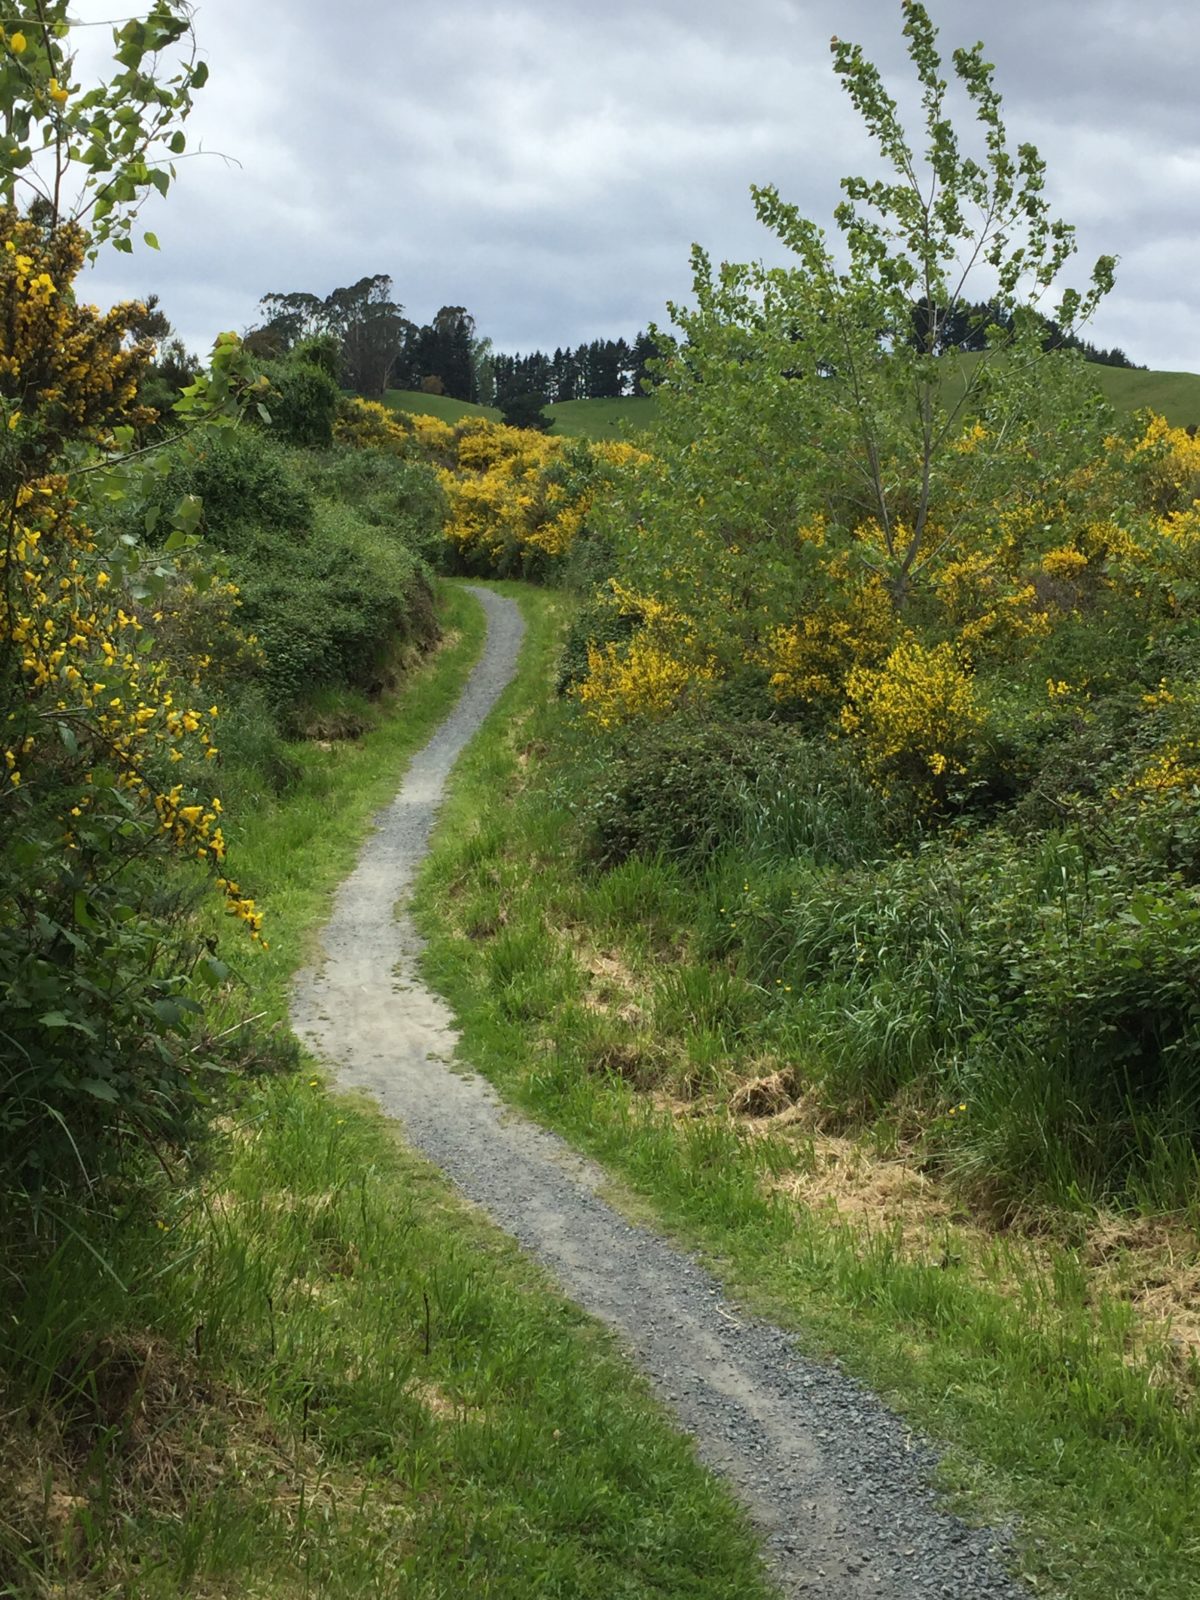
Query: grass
[[297, 1364], [437, 405], [1174, 395], [604, 419], [322, 1374], [573, 419], [583, 998]]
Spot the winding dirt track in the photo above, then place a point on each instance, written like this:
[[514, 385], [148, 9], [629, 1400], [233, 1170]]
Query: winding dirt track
[[836, 1483]]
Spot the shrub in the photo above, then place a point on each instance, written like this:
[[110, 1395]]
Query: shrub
[[676, 790], [303, 399]]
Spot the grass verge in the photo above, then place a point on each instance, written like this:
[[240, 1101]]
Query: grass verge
[[297, 1365], [1064, 1410]]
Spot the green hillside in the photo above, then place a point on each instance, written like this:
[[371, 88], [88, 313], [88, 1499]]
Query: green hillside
[[437, 405], [603, 419], [1175, 395]]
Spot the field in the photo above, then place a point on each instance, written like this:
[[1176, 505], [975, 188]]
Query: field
[[440, 406], [1174, 395]]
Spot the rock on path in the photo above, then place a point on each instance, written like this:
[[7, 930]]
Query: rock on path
[[837, 1485]]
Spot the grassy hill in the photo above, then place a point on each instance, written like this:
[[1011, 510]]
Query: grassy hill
[[1175, 395], [573, 419], [436, 405], [604, 419]]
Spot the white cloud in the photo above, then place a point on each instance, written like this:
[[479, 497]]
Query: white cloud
[[549, 167]]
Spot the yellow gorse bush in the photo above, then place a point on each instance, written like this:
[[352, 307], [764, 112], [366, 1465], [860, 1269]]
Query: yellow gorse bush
[[916, 716], [643, 679], [517, 499], [91, 680]]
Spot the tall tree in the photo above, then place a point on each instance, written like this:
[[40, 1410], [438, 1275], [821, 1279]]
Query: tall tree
[[370, 327], [288, 318], [453, 360]]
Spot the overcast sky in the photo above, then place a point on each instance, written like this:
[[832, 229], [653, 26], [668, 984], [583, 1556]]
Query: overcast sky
[[548, 163]]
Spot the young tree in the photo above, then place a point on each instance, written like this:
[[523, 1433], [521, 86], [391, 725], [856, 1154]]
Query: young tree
[[839, 515], [821, 355]]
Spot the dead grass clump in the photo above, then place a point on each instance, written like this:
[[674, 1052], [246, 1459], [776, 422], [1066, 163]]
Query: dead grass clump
[[766, 1096], [441, 1406], [880, 1196], [638, 1060]]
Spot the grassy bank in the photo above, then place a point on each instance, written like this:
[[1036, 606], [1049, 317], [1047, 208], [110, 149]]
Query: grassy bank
[[295, 1364], [1068, 1395]]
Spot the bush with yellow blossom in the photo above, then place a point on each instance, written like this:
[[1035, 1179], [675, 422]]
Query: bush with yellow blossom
[[517, 499], [106, 738]]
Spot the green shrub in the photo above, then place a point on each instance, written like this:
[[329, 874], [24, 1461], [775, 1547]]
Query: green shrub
[[399, 496], [303, 402], [675, 789], [326, 595], [330, 607], [243, 478]]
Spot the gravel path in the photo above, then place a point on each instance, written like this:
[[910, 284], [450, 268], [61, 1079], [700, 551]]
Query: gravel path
[[836, 1483]]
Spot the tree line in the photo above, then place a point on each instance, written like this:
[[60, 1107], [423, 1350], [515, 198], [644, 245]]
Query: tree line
[[382, 348], [963, 326]]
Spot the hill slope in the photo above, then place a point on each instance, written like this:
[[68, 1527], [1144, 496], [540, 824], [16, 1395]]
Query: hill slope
[[1175, 395]]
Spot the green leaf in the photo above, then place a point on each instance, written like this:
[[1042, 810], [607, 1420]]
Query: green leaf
[[99, 1089], [186, 516], [151, 239], [83, 913], [211, 972]]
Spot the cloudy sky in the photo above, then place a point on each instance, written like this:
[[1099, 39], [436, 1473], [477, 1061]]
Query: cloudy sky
[[548, 163]]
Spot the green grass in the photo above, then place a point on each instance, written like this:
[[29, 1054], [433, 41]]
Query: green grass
[[573, 419], [604, 419], [437, 405], [298, 1365], [1057, 1412], [1174, 395], [320, 1373]]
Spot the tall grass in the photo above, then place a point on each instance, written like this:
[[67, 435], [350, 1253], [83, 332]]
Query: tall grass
[[686, 978], [294, 1363]]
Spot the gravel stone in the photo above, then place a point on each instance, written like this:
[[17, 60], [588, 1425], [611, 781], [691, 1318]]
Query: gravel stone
[[837, 1485]]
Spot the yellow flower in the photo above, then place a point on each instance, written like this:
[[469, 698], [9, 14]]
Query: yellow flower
[[16, 44]]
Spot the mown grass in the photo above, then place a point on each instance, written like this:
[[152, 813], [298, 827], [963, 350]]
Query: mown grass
[[1174, 395], [296, 1364], [604, 419], [582, 996], [441, 406]]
